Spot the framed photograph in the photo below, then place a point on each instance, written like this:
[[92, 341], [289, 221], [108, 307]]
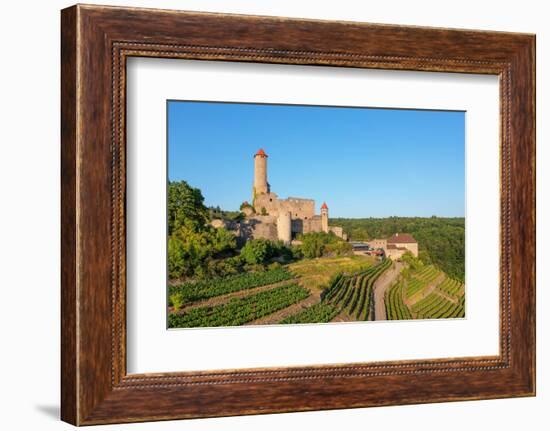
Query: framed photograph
[[329, 214]]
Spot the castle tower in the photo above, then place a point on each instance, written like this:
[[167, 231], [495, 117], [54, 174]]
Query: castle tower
[[324, 217], [284, 227], [260, 174]]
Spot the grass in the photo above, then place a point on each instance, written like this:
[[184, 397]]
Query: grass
[[317, 273]]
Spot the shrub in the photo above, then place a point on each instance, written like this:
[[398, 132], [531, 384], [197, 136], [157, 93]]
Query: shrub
[[176, 300], [274, 265], [257, 251], [319, 244]]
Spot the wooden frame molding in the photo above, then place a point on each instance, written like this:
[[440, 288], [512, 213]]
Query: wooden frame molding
[[95, 43]]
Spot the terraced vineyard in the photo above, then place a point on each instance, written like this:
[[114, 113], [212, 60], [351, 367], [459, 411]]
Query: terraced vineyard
[[195, 291], [435, 306], [396, 309], [452, 287], [421, 279], [239, 311], [353, 294], [295, 298], [425, 294]]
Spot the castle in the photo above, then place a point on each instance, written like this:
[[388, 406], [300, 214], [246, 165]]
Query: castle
[[273, 218]]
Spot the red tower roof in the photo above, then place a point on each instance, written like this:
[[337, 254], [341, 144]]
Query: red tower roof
[[324, 207], [261, 152]]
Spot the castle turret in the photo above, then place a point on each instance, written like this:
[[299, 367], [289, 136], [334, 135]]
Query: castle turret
[[324, 217], [260, 174], [284, 227]]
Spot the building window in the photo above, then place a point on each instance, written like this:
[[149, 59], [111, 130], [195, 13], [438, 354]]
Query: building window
[[270, 200]]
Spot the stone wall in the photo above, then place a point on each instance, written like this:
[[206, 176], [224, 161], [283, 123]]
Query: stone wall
[[259, 227], [378, 243], [395, 253], [338, 231], [299, 208], [312, 225], [269, 201], [411, 246]]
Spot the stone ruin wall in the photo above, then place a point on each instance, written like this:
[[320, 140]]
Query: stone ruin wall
[[269, 201], [259, 226], [299, 208], [337, 230], [312, 225]]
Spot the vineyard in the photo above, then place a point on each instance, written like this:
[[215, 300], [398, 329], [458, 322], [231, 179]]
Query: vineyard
[[239, 311], [318, 313], [299, 294], [353, 294], [396, 309], [195, 291], [425, 294]]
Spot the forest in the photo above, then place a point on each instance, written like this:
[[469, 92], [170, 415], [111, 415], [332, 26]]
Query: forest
[[440, 240]]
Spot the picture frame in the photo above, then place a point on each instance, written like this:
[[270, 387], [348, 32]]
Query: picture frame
[[96, 42]]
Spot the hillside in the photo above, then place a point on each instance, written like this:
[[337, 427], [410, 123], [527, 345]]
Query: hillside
[[440, 240]]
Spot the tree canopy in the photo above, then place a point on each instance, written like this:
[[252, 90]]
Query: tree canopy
[[317, 244], [185, 206]]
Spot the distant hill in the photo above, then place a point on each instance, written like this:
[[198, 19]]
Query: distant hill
[[440, 240]]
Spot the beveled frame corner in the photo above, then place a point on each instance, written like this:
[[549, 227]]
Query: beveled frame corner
[[96, 42]]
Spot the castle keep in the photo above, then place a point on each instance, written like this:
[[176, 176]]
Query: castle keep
[[273, 218]]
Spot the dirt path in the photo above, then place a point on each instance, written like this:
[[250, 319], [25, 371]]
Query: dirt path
[[343, 316], [380, 287], [222, 299], [448, 297]]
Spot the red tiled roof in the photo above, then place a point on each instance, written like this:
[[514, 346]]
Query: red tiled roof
[[401, 238], [324, 206], [261, 152]]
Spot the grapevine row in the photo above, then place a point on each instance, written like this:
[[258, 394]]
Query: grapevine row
[[318, 313], [353, 293], [239, 311], [194, 291]]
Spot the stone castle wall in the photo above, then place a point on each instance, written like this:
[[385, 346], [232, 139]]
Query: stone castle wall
[[269, 201], [299, 208], [259, 226]]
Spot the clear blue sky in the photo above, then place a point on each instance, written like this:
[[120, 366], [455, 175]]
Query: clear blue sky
[[363, 162]]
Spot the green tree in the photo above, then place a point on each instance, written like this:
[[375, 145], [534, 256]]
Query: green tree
[[257, 251], [185, 205], [317, 244], [190, 250]]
